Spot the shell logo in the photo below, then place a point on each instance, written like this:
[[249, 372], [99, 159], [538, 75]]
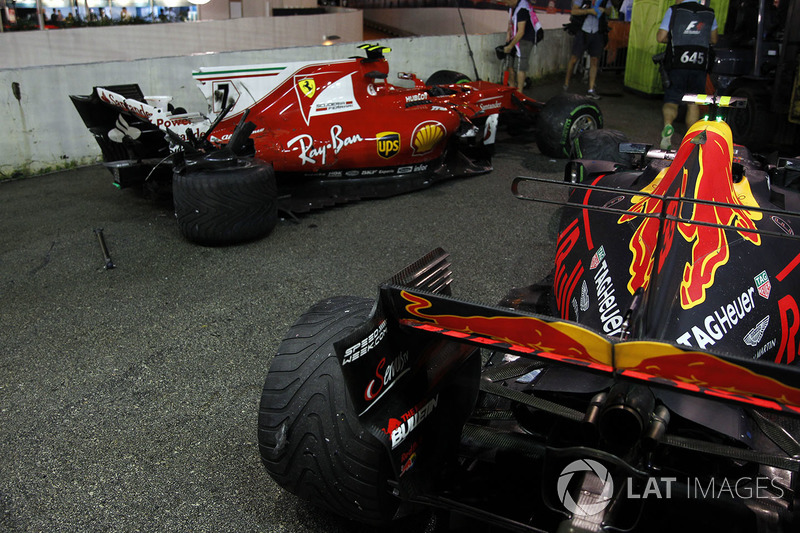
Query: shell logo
[[426, 136]]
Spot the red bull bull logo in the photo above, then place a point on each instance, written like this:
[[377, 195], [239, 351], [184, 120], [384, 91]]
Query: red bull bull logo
[[554, 337], [703, 370], [701, 170], [659, 362]]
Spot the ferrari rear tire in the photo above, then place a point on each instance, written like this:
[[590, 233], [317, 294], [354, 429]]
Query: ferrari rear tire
[[310, 438], [601, 145], [226, 206], [447, 77], [562, 119]]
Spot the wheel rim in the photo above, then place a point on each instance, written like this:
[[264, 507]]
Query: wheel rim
[[581, 124]]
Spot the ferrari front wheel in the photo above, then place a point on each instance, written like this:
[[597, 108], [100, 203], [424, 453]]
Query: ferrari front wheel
[[310, 438], [562, 119]]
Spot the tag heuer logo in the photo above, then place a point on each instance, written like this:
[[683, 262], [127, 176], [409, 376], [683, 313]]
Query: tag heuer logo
[[308, 87], [763, 285], [388, 144], [598, 257]]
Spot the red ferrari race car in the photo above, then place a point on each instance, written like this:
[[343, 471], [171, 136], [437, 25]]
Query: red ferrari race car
[[650, 383], [302, 135]]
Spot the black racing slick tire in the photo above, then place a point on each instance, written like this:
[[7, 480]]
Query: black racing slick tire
[[447, 77], [310, 438], [601, 145], [562, 119], [226, 206], [754, 125]]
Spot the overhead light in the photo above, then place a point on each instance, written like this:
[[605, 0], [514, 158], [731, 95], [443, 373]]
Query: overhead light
[[327, 40], [199, 2]]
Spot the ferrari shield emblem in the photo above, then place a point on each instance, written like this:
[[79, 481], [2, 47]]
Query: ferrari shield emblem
[[308, 87], [388, 144]]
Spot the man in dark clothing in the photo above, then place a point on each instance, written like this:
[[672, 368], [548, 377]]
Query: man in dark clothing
[[689, 29], [590, 38]]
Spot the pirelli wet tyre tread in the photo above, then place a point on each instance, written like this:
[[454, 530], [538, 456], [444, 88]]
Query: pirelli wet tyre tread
[[310, 438], [447, 77], [562, 119], [226, 206], [601, 145]]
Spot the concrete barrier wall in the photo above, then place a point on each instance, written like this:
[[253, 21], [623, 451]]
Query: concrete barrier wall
[[42, 130], [446, 20], [125, 42]]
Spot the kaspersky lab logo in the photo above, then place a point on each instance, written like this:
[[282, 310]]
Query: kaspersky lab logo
[[581, 508]]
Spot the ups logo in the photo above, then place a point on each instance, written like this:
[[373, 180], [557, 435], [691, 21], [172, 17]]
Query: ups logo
[[388, 144]]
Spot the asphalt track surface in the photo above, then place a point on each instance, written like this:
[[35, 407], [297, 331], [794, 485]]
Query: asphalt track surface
[[129, 396]]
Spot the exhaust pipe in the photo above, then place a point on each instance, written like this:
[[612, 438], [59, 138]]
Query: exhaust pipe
[[625, 415]]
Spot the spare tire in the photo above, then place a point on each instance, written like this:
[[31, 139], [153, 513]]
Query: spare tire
[[601, 145], [226, 206], [562, 119]]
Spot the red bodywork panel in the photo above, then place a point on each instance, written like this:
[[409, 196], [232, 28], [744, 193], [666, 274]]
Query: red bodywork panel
[[343, 114]]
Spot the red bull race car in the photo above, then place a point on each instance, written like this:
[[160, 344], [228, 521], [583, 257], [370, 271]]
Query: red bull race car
[[650, 383], [302, 135]]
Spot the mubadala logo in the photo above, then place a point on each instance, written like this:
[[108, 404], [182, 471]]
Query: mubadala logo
[[582, 508], [421, 97]]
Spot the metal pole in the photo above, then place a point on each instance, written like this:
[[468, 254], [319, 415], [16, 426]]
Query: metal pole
[[759, 38], [466, 37], [39, 14]]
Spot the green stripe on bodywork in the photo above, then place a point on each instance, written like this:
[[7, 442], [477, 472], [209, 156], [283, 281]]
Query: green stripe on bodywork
[[238, 71]]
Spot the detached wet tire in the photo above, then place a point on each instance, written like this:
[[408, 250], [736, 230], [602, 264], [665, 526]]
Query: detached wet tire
[[562, 119], [601, 145], [226, 206], [310, 439]]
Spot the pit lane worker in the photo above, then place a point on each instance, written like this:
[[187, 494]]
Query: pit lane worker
[[689, 29]]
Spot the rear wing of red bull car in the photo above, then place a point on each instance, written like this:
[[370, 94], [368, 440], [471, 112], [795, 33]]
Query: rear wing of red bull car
[[661, 354], [416, 316]]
